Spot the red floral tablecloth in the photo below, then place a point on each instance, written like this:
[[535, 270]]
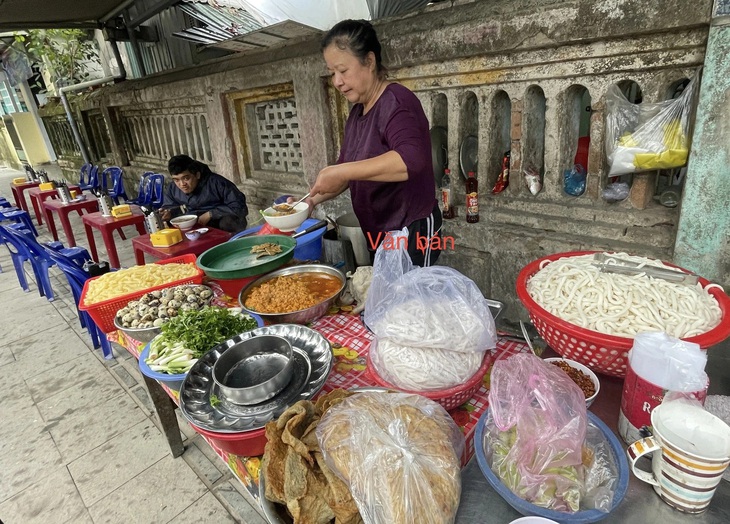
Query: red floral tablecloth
[[350, 341]]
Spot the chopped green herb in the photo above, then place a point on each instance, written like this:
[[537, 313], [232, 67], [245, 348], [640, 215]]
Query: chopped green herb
[[188, 336], [214, 401], [200, 330]]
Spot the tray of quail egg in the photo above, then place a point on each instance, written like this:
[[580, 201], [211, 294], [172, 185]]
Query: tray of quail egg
[[142, 319]]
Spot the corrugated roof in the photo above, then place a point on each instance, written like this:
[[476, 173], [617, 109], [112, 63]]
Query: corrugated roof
[[220, 22]]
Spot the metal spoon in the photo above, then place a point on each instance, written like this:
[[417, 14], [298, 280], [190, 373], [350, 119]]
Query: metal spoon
[[287, 206], [527, 338]]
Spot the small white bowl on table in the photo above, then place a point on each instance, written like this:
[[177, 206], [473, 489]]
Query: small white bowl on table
[[584, 369], [184, 222], [287, 222]]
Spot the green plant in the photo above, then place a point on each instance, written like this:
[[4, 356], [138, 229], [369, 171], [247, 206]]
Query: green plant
[[63, 53]]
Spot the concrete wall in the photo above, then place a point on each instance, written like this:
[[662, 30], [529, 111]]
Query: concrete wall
[[703, 242], [514, 74]]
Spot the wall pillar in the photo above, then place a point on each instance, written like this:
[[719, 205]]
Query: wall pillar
[[703, 235]]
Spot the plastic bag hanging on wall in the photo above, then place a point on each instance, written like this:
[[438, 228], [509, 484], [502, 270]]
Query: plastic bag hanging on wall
[[644, 137], [574, 180]]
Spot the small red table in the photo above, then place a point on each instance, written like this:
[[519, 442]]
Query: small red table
[[50, 206], [18, 190], [142, 245], [107, 225], [38, 196]]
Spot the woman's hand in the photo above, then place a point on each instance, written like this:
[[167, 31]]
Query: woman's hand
[[330, 181], [309, 201]]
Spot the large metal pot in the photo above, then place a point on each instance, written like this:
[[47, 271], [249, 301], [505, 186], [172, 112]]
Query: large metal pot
[[349, 228], [303, 316]]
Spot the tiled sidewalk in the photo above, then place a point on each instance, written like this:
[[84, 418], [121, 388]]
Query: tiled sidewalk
[[79, 441]]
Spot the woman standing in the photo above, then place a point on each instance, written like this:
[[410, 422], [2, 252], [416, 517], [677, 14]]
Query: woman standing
[[385, 159]]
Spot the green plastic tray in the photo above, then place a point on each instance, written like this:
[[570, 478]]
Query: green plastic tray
[[234, 259]]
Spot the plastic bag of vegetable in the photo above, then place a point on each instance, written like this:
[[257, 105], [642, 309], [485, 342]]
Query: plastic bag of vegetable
[[539, 430], [398, 453], [643, 137]]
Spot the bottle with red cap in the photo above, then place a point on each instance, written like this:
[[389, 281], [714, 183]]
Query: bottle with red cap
[[472, 198]]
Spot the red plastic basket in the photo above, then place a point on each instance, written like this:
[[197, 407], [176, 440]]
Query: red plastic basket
[[103, 312], [450, 398], [607, 354]]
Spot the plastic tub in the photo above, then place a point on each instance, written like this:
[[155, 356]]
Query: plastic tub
[[527, 508], [309, 246], [103, 313], [245, 444], [173, 382]]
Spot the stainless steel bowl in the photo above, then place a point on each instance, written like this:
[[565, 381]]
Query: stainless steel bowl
[[303, 316], [254, 370], [143, 335]]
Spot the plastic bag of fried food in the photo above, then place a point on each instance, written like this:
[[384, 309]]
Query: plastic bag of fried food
[[294, 469], [398, 453]]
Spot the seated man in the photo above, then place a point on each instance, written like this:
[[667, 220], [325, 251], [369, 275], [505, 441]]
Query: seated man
[[198, 191]]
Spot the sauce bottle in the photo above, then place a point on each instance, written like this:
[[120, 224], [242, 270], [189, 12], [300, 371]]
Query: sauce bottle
[[472, 198], [448, 207]]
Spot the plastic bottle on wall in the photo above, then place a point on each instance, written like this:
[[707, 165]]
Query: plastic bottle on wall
[[448, 206], [472, 198]]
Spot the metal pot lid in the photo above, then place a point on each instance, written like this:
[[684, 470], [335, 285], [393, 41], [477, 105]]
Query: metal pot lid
[[226, 417], [234, 259], [439, 152], [468, 155]]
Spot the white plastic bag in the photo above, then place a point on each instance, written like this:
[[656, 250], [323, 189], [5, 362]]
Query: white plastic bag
[[669, 362], [399, 454], [643, 137], [431, 307]]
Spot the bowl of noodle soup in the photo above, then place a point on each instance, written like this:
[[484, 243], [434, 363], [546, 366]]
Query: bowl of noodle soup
[[584, 326]]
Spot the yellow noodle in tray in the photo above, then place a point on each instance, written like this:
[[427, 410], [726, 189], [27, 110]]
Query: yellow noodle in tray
[[137, 278]]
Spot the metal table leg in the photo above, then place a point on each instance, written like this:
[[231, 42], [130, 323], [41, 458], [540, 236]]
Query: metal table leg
[[165, 408]]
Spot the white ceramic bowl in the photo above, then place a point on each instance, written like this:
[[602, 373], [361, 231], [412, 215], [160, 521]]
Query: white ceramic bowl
[[193, 234], [184, 222], [584, 369], [287, 222], [533, 520]]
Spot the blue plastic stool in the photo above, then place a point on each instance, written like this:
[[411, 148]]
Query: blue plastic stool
[[76, 278], [18, 257], [78, 255], [117, 189], [19, 216]]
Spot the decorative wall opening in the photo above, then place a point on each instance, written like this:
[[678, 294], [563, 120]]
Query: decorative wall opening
[[338, 111], [533, 131], [469, 134], [267, 136], [61, 137], [676, 89], [98, 135], [440, 137], [501, 123], [576, 132], [153, 134], [631, 90]]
